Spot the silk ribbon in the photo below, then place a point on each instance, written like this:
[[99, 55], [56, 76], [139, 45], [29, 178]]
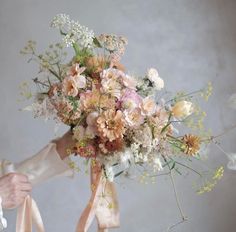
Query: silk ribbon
[[103, 203], [28, 215]]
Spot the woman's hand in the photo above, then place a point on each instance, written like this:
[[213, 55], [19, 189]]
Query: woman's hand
[[65, 143], [14, 188]]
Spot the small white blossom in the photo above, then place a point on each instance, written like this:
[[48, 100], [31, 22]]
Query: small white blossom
[[154, 77], [157, 164], [60, 21]]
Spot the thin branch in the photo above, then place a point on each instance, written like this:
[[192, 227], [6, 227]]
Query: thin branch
[[176, 196], [176, 224], [186, 95], [225, 132], [40, 82], [188, 168], [220, 135]]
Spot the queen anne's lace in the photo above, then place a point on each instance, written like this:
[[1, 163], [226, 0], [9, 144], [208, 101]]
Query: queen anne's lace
[[73, 31]]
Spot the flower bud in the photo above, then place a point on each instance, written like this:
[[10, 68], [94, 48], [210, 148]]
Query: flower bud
[[182, 109]]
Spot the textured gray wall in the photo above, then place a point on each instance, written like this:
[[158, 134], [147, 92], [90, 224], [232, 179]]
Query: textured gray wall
[[189, 41]]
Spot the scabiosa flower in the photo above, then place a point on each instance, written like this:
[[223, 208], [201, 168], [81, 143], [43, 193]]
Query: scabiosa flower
[[111, 124]]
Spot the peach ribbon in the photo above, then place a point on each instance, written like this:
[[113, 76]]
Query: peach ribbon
[[28, 215], [103, 203]]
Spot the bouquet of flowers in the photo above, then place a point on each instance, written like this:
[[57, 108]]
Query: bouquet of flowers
[[118, 120]]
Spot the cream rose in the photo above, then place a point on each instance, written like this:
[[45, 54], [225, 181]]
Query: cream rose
[[182, 109]]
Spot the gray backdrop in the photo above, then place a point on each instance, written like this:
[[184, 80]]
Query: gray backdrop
[[189, 41]]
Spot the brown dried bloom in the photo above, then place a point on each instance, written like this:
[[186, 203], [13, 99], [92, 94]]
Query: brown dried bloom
[[191, 144], [96, 63]]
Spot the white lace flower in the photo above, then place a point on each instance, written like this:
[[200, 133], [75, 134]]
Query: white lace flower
[[73, 31], [60, 21]]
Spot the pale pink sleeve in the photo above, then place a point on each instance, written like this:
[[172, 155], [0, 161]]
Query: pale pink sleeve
[[45, 165]]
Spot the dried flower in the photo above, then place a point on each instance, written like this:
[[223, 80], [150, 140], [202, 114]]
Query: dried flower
[[96, 63], [191, 144]]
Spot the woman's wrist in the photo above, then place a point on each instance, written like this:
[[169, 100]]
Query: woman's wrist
[[64, 144]]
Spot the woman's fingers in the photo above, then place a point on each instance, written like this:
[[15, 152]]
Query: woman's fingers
[[26, 187], [14, 187]]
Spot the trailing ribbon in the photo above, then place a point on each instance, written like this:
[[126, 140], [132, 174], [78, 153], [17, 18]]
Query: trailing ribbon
[[28, 214], [103, 203]]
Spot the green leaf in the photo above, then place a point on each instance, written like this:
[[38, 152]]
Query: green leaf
[[173, 165], [96, 42], [119, 173]]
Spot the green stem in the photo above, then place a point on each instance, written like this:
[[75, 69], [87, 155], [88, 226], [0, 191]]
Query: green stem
[[187, 167], [186, 95]]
